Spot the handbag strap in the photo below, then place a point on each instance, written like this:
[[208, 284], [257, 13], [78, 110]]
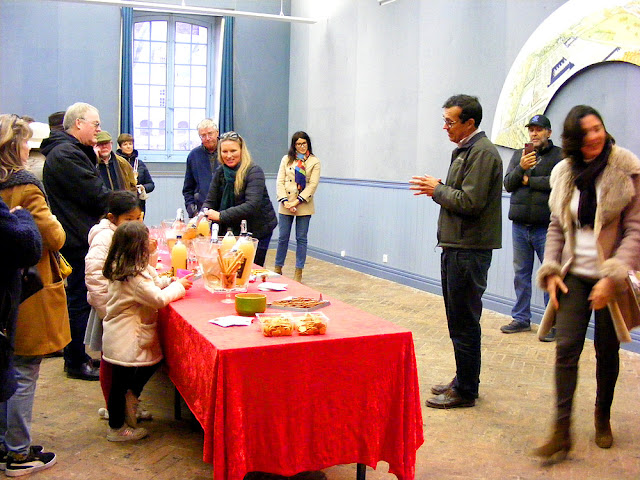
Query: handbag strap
[[54, 260]]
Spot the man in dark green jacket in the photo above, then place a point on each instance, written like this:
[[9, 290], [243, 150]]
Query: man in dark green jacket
[[469, 228]]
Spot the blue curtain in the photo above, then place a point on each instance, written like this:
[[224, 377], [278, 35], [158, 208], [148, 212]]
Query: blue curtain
[[126, 81], [226, 91]]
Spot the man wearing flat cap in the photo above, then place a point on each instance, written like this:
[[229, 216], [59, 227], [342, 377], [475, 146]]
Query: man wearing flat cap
[[115, 171], [527, 179]]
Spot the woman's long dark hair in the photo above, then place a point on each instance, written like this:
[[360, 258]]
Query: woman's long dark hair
[[573, 136], [292, 148], [129, 252]]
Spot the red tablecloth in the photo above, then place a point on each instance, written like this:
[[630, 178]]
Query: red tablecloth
[[288, 404]]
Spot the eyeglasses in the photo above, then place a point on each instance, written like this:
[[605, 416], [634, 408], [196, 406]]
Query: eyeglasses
[[208, 135], [95, 123], [449, 123], [301, 144], [230, 136]]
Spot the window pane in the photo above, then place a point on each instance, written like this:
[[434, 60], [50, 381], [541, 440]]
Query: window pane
[[183, 32], [181, 119], [159, 30], [183, 75], [142, 141], [140, 51], [141, 30], [199, 76], [159, 74], [157, 140], [158, 52], [194, 139], [198, 97], [198, 34], [183, 54], [197, 115], [140, 73], [141, 95], [181, 97], [199, 55], [158, 96]]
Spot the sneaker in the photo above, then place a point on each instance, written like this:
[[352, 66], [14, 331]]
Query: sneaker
[[126, 434], [24, 464], [515, 327], [549, 337], [3, 455], [141, 415]]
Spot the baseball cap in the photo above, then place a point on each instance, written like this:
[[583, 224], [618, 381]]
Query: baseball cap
[[539, 121]]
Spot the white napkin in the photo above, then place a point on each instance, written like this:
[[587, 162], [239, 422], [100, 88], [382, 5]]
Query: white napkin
[[273, 287], [232, 320]]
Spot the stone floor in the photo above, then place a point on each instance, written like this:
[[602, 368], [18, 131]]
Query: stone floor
[[491, 441]]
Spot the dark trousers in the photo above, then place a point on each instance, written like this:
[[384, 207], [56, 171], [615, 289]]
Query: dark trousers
[[572, 320], [261, 250], [464, 280], [123, 379], [78, 307]]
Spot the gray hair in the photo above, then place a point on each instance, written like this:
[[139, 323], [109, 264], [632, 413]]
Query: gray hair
[[207, 123], [74, 112]]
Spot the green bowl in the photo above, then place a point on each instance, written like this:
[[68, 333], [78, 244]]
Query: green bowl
[[248, 304]]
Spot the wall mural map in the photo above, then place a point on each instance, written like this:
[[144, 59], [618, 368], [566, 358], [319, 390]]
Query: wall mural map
[[578, 34]]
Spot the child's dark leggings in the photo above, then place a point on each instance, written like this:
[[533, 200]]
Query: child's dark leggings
[[123, 379]]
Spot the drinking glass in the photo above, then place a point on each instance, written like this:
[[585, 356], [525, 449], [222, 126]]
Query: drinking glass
[[228, 283]]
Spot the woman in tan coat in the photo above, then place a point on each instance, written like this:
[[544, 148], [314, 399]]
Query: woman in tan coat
[[592, 243], [297, 182], [43, 323]]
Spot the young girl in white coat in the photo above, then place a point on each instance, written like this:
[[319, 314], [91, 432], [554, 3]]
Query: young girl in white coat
[[123, 206], [130, 338]]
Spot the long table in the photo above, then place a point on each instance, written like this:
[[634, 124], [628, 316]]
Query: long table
[[289, 404]]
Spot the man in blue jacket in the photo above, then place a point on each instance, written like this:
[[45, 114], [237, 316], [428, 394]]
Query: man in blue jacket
[[202, 162], [527, 180]]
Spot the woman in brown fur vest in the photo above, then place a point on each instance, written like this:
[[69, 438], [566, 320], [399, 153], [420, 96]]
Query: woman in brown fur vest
[[592, 243]]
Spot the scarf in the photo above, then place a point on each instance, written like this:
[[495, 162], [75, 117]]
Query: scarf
[[585, 179], [23, 177], [301, 171], [228, 193]]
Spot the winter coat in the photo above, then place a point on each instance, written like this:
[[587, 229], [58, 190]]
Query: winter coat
[[144, 177], [287, 189], [100, 237], [77, 194], [125, 179], [43, 322], [616, 229], [22, 246], [529, 203], [252, 204], [471, 198], [130, 335]]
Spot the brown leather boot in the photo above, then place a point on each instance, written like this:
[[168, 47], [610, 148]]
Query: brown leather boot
[[278, 269], [558, 446], [298, 275], [604, 437]]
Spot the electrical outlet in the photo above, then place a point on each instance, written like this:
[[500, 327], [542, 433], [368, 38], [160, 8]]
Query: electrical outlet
[[385, 258], [342, 253]]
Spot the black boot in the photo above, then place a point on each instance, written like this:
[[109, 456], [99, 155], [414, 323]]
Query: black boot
[[604, 436]]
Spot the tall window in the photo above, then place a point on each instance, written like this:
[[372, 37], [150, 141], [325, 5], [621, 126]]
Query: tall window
[[175, 63]]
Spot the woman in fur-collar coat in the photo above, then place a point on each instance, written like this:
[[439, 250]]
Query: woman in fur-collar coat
[[592, 243]]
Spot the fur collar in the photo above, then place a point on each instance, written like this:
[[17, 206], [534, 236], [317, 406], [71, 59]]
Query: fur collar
[[615, 187]]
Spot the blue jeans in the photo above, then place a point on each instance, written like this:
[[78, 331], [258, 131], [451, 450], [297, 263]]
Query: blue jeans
[[527, 241], [464, 280], [15, 413], [302, 228]]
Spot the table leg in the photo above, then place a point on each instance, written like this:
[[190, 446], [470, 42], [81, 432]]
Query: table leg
[[177, 410], [361, 471]]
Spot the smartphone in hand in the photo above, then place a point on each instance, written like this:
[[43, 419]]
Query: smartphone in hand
[[528, 148]]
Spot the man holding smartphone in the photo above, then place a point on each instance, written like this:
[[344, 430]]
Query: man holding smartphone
[[527, 179]]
